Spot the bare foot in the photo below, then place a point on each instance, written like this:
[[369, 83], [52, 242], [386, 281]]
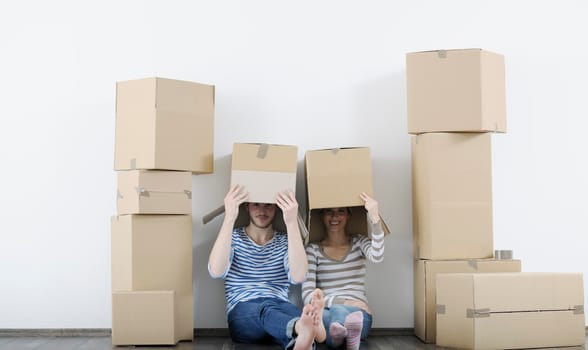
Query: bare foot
[[318, 303], [305, 329]]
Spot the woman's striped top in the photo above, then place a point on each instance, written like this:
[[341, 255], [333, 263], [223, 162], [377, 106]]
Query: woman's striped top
[[343, 279]]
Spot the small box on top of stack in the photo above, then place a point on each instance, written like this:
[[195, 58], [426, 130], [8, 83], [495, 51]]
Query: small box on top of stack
[[335, 178], [456, 99], [164, 133]]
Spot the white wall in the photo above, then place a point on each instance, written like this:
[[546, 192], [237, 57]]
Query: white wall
[[315, 74]]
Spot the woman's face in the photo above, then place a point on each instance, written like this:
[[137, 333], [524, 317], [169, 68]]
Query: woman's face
[[335, 218]]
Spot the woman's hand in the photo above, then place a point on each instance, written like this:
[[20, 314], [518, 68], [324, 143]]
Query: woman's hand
[[371, 205]]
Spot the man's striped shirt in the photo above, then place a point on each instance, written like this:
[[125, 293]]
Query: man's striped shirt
[[255, 270]]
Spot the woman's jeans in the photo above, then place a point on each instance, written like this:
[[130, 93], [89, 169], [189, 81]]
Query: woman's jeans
[[338, 312], [263, 320]]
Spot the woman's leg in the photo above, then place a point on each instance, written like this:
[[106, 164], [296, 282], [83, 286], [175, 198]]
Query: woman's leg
[[333, 319], [367, 325]]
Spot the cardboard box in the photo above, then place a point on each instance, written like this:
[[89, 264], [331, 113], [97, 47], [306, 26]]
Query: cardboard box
[[335, 178], [452, 196], [510, 310], [154, 252], [425, 273], [455, 90], [154, 192], [164, 124], [144, 318], [264, 170]]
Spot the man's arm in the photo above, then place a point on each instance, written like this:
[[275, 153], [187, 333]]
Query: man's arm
[[218, 260], [296, 254]]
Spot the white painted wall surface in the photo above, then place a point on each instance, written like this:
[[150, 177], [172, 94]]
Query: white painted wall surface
[[316, 74]]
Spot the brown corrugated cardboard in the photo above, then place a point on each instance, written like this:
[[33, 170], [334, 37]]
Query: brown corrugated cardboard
[[455, 90], [425, 273], [164, 124], [452, 195], [144, 318], [264, 170], [154, 192], [335, 178], [154, 252], [510, 310]]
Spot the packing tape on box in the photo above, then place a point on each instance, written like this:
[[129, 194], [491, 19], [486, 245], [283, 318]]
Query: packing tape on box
[[141, 191], [119, 195], [578, 309], [476, 313], [473, 264], [440, 309], [503, 254], [133, 163], [442, 53], [262, 150], [335, 150]]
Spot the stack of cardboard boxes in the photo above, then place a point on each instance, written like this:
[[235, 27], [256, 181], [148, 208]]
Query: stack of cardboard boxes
[[164, 133], [456, 99]]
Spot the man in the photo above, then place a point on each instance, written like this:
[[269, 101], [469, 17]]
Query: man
[[258, 265]]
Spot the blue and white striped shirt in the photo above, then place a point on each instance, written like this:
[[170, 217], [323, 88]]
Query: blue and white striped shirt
[[255, 270]]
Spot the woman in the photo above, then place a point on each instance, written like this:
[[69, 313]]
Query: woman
[[337, 265]]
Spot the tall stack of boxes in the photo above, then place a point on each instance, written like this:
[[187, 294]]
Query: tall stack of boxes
[[455, 100], [164, 133]]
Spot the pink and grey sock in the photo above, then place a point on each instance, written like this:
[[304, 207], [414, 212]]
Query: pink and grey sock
[[337, 333], [354, 324]]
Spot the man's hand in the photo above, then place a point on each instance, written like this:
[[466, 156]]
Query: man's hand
[[233, 200], [287, 202]]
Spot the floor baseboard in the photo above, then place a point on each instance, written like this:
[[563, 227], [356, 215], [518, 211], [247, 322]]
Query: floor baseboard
[[198, 332], [55, 332]]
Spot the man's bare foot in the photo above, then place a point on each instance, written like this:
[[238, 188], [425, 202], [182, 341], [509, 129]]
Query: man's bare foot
[[305, 329], [318, 303]]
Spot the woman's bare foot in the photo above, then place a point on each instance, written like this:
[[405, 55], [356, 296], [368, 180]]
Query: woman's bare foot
[[305, 329], [318, 303]]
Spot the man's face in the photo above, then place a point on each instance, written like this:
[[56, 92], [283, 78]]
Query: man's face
[[261, 214]]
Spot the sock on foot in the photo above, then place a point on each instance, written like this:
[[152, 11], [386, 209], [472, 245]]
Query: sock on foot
[[354, 324], [337, 333]]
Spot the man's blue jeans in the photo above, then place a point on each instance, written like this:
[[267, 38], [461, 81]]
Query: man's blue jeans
[[263, 320], [338, 312]]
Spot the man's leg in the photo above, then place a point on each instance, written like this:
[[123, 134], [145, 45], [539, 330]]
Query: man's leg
[[245, 324], [318, 302]]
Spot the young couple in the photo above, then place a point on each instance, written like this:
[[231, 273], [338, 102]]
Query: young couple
[[258, 265]]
